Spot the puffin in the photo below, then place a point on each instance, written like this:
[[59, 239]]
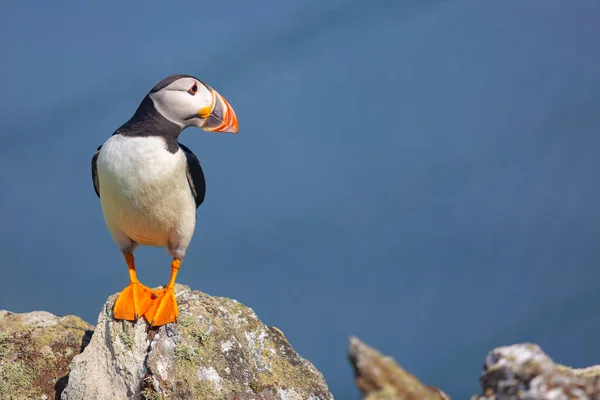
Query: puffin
[[150, 185]]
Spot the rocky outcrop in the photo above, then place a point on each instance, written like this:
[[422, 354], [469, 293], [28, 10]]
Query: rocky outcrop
[[379, 377], [524, 371], [35, 352], [218, 349], [517, 372]]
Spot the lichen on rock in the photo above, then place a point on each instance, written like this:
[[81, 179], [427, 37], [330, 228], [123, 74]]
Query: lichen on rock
[[35, 352], [218, 349]]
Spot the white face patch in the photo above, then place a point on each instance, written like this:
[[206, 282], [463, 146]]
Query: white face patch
[[177, 105]]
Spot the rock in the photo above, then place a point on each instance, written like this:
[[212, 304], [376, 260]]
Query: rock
[[35, 352], [218, 349], [524, 371], [380, 378]]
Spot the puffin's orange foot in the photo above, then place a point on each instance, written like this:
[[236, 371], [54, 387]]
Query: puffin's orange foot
[[163, 309], [133, 302]]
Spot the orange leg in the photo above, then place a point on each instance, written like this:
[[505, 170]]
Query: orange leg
[[135, 299], [164, 309]]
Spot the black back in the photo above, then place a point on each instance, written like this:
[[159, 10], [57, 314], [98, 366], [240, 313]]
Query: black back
[[195, 175], [95, 172]]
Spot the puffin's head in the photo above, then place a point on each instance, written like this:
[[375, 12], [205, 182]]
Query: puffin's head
[[186, 101]]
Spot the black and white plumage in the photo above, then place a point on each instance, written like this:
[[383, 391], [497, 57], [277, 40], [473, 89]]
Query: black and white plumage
[[149, 184]]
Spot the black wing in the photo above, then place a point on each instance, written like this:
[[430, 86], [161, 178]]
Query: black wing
[[95, 172], [195, 176]]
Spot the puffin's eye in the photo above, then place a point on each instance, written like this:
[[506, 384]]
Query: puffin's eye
[[193, 90]]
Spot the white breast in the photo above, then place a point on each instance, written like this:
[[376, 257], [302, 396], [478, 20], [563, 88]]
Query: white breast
[[145, 194]]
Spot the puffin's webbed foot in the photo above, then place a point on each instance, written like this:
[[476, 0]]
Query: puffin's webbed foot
[[133, 302], [164, 308], [135, 299]]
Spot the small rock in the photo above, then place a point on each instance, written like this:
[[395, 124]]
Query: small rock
[[524, 371], [210, 374], [39, 319], [380, 378]]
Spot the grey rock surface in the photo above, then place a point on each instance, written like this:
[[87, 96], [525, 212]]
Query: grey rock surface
[[218, 349], [524, 371]]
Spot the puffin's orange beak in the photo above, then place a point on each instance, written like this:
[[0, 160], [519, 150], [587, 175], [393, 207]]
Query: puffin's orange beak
[[222, 117]]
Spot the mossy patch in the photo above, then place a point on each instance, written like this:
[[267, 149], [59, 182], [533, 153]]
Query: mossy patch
[[5, 346], [126, 339], [206, 390], [17, 382], [184, 353], [201, 332], [187, 320]]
